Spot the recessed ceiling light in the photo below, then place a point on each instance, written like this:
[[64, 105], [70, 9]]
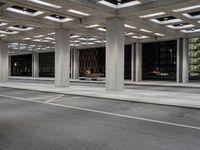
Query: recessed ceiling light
[[2, 24], [58, 18], [74, 36], [166, 21], [45, 3], [26, 38], [129, 33], [152, 15], [9, 32], [192, 15], [187, 8], [180, 26], [192, 30], [159, 34], [38, 36], [20, 28], [78, 12], [140, 37], [2, 35], [92, 26], [101, 29], [129, 26], [144, 30], [121, 5], [24, 11], [128, 4]]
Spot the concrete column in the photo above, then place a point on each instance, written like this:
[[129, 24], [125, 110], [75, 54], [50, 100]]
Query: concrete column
[[133, 62], [35, 65], [75, 64], [62, 58], [179, 61], [3, 61], [138, 62], [115, 54], [185, 61], [9, 66]]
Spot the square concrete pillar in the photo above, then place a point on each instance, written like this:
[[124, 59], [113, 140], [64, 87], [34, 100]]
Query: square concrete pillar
[[179, 54], [185, 61], [133, 62], [75, 63], [35, 65], [115, 54], [3, 61], [138, 62], [9, 66], [62, 58]]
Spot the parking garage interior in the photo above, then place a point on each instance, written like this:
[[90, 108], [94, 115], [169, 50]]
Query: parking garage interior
[[99, 74]]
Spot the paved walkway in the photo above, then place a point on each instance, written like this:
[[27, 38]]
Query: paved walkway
[[174, 98]]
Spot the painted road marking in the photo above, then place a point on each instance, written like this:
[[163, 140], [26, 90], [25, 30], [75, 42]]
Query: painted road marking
[[44, 97], [71, 98], [107, 113], [54, 98]]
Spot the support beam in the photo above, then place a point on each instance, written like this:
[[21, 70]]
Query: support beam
[[62, 58], [115, 54], [185, 61], [75, 63], [35, 65], [138, 62], [3, 61]]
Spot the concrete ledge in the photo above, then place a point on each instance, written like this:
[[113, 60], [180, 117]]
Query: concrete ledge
[[127, 82], [178, 99]]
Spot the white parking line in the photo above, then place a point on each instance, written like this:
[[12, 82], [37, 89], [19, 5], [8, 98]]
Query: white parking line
[[44, 97], [107, 113], [70, 98], [54, 98]]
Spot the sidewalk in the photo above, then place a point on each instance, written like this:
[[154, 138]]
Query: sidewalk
[[127, 82], [190, 100]]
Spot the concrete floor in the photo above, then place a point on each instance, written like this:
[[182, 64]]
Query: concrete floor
[[31, 120]]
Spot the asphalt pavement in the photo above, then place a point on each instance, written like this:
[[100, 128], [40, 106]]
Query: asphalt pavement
[[31, 120]]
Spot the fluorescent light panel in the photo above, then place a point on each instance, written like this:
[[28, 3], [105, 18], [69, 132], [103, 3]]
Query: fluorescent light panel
[[190, 31], [186, 8], [92, 26], [45, 3], [20, 29], [24, 12], [101, 29], [159, 34], [2, 24], [191, 17], [153, 15], [140, 37], [58, 20], [128, 4], [78, 12], [129, 26], [144, 30], [166, 22], [180, 27]]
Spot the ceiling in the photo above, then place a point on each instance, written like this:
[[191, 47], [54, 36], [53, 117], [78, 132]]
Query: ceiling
[[29, 25]]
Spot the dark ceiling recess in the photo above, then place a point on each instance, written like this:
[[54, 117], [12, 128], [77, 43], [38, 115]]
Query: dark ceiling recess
[[119, 1], [1, 4]]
